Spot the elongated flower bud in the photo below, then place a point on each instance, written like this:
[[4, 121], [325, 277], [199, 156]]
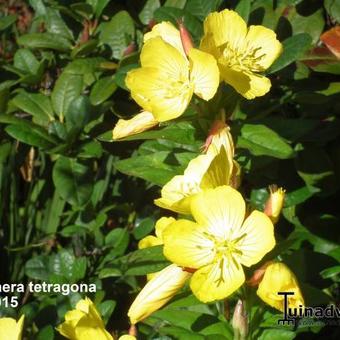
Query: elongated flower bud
[[139, 123], [185, 37], [157, 292], [240, 321], [274, 203], [279, 278]]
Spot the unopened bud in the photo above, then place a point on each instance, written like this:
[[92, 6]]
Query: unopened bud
[[240, 321], [258, 275], [279, 278], [157, 292], [274, 203], [185, 37], [139, 123]]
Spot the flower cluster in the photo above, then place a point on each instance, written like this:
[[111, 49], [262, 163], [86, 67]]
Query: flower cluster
[[216, 236]]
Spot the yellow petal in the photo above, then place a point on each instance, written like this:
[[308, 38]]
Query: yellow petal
[[216, 281], [219, 171], [149, 241], [127, 337], [161, 224], [139, 123], [159, 54], [225, 27], [221, 210], [204, 73], [249, 85], [258, 240], [157, 292], [10, 329], [279, 278], [263, 42], [86, 331], [157, 92], [168, 32], [178, 192], [186, 244]]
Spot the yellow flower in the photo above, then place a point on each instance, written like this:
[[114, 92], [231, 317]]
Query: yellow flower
[[219, 243], [167, 79], [84, 323], [127, 337], [213, 169], [139, 123], [274, 203], [157, 292], [279, 278], [10, 329], [241, 53]]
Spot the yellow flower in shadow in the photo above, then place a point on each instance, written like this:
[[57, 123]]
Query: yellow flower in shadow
[[242, 53], [279, 278], [219, 242]]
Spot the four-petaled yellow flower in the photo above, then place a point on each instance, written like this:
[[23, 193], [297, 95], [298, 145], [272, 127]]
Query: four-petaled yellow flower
[[219, 243], [279, 278], [241, 53], [10, 329], [84, 323], [167, 80]]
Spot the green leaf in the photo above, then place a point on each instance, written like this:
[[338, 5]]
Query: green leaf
[[102, 90], [143, 228], [37, 268], [330, 272], [142, 261], [45, 40], [201, 8], [73, 181], [152, 167], [316, 169], [118, 33], [260, 140], [333, 9], [30, 134], [52, 214], [243, 9], [311, 24], [293, 49], [98, 6], [56, 25], [26, 61], [84, 66], [67, 88], [146, 15], [84, 48], [175, 3], [36, 104], [78, 113], [7, 21]]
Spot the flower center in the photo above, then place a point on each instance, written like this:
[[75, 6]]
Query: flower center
[[241, 59]]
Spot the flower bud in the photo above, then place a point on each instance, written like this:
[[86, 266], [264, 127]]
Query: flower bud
[[10, 329], [185, 37], [240, 321], [139, 123], [279, 278], [274, 203], [157, 292]]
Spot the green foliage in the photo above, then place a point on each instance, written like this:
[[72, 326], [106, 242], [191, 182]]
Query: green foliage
[[74, 204]]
